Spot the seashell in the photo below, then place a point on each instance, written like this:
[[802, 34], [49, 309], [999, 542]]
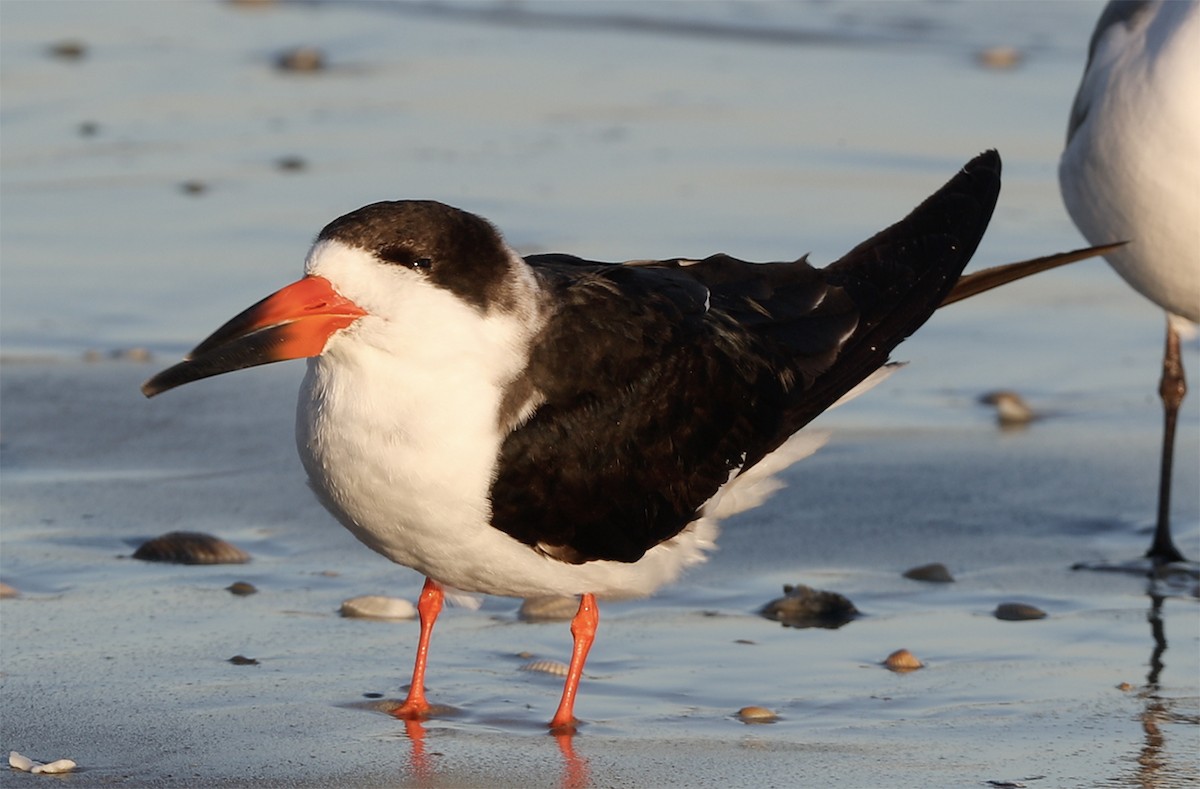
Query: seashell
[[754, 714], [241, 588], [20, 762], [55, 767], [935, 572], [190, 547], [804, 606], [1018, 612], [1125, 686], [999, 57], [377, 607], [548, 608], [1011, 408], [901, 661], [555, 667], [7, 591]]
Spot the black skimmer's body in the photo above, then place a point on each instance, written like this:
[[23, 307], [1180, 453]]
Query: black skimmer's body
[[1131, 171], [551, 425]]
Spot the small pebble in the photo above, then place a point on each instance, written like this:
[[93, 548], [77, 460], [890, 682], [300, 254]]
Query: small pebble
[[241, 588], [555, 667], [377, 607], [803, 606], [999, 58], [242, 660], [755, 714], [89, 129], [190, 547], [551, 608], [68, 50], [1125, 686], [902, 661], [933, 573], [301, 59], [290, 164], [7, 591], [1018, 612], [193, 187]]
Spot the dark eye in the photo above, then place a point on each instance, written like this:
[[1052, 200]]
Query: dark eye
[[403, 256]]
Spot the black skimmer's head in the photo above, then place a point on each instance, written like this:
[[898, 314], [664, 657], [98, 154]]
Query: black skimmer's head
[[552, 425]]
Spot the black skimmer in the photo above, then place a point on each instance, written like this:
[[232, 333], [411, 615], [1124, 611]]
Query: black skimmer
[[1131, 171], [556, 426]]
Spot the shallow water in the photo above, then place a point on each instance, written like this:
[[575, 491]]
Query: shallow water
[[614, 131]]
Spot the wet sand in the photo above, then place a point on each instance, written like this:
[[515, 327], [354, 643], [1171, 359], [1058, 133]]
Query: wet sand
[[637, 142]]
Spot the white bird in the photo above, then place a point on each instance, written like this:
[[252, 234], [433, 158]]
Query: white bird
[[1131, 172], [555, 426]]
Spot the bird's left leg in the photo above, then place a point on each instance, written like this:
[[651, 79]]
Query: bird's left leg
[[1172, 390], [429, 606], [583, 630]]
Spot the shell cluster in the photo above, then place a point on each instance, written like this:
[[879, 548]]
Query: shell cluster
[[25, 764]]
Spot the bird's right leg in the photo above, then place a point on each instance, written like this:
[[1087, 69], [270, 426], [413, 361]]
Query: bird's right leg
[[429, 606], [1172, 390]]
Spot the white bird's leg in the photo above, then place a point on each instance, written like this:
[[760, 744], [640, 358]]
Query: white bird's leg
[[583, 630], [429, 606], [1172, 390]]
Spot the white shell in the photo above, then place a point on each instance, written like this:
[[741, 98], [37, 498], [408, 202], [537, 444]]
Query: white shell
[[378, 607], [59, 766], [554, 667], [19, 762]]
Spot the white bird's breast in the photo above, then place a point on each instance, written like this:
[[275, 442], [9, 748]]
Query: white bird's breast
[[1131, 171]]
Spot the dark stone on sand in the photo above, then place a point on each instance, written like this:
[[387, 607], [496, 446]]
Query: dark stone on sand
[[193, 187], [1018, 612], [933, 573], [803, 606], [68, 50], [242, 660], [190, 547], [242, 588], [89, 129], [290, 164]]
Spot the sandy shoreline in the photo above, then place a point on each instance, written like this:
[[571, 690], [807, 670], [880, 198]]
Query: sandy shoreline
[[615, 144]]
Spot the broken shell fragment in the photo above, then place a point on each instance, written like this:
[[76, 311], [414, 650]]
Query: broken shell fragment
[[902, 661], [1018, 612], [55, 767], [190, 547], [25, 764], [20, 762], [377, 607], [754, 714], [241, 588], [553, 667]]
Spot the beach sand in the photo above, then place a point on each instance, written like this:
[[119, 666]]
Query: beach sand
[[672, 132]]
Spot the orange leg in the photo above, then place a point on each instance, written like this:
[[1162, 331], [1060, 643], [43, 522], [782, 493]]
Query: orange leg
[[429, 606], [583, 629]]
